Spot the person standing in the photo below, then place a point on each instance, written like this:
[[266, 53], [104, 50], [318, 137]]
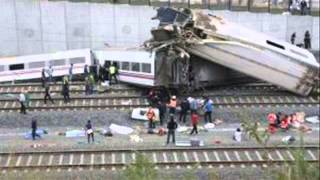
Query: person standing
[[89, 131], [208, 107], [34, 129], [65, 92], [43, 77], [50, 73], [194, 120], [307, 40], [184, 110], [303, 6], [47, 94], [293, 38], [172, 126], [22, 100], [162, 111], [85, 71], [70, 72], [151, 117], [113, 73]]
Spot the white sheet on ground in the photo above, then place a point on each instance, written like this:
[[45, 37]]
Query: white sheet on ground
[[186, 143], [182, 129], [313, 119], [120, 129], [75, 133], [209, 126]]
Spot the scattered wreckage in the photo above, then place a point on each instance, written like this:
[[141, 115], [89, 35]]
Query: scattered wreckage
[[183, 33]]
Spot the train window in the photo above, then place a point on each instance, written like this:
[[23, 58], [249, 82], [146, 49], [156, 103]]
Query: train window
[[58, 62], [77, 60], [13, 67], [1, 68], [125, 66], [146, 67], [39, 64], [135, 67], [275, 44]]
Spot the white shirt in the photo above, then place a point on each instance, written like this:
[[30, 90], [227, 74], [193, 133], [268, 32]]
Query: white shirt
[[22, 97], [237, 136]]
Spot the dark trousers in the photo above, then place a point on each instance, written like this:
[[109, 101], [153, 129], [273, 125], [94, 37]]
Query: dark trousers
[[171, 133], [66, 97], [92, 137], [161, 119], [113, 76], [152, 125], [34, 134], [47, 96], [23, 108], [207, 116], [183, 115], [195, 129], [172, 110], [43, 81]]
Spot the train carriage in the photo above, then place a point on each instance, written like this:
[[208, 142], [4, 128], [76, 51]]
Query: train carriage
[[30, 66]]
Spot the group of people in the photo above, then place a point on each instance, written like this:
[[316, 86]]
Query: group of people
[[189, 104], [300, 5], [108, 72], [306, 40], [284, 122]]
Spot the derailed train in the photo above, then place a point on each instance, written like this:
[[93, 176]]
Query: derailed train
[[182, 32], [188, 49]]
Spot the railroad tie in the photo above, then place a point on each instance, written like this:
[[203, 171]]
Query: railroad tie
[[228, 158], [175, 157], [236, 153], [165, 159], [196, 158], [249, 158], [217, 158], [155, 160]]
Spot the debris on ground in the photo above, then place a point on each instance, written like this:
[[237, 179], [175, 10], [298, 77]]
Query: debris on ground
[[75, 133], [141, 114], [106, 132], [209, 127], [182, 129], [40, 132], [313, 120], [218, 121], [288, 139], [124, 130], [135, 138], [189, 144]]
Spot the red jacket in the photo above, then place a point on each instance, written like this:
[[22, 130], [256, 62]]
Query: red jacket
[[194, 119]]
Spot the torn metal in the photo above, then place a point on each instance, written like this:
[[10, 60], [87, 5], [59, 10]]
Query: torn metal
[[183, 33]]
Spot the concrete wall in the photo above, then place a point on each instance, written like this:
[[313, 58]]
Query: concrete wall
[[33, 26]]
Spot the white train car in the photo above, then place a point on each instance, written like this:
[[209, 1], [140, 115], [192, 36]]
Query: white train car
[[135, 66], [30, 67], [256, 54]]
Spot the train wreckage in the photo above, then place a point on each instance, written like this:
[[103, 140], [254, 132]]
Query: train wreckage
[[183, 36]]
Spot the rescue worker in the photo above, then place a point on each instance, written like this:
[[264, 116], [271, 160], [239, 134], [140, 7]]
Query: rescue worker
[[151, 117], [293, 38], [22, 100], [172, 126], [89, 131], [172, 105], [272, 121], [307, 40], [208, 107], [70, 72], [34, 129], [113, 73], [184, 110], [47, 94], [194, 121], [43, 77]]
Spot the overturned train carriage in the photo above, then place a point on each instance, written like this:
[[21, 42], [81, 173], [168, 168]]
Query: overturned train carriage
[[183, 32]]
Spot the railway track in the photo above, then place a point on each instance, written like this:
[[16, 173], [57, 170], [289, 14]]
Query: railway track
[[125, 97], [132, 101], [162, 158]]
